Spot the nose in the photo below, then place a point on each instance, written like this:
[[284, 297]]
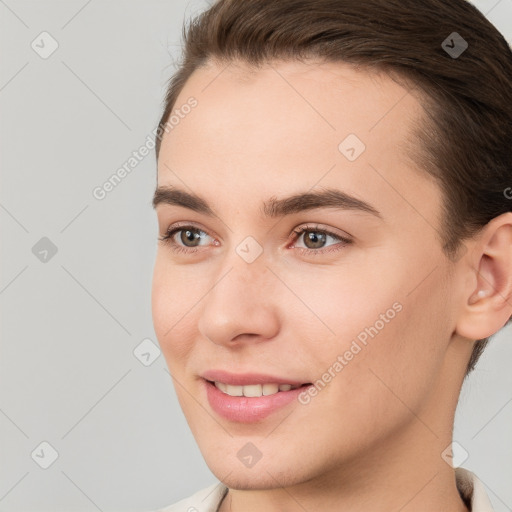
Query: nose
[[240, 306]]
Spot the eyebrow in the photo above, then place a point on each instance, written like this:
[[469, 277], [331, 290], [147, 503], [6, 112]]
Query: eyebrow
[[274, 207]]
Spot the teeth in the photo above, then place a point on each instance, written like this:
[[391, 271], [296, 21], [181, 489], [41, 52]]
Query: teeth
[[230, 390], [270, 389], [253, 390], [221, 386]]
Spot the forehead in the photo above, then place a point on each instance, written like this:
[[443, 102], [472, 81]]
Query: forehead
[[289, 125], [303, 103], [340, 95]]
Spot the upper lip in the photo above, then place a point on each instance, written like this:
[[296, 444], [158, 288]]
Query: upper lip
[[244, 379]]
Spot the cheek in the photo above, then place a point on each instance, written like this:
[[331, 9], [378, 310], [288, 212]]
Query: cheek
[[347, 303], [403, 356], [377, 332], [171, 303]]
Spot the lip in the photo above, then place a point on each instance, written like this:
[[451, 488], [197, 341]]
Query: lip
[[244, 379], [243, 409]]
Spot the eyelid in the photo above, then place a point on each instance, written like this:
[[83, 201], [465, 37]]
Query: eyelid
[[323, 229], [176, 226]]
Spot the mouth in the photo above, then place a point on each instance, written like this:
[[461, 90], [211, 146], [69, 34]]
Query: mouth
[[249, 398]]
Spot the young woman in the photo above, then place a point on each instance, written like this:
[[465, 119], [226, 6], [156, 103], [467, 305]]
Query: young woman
[[334, 211]]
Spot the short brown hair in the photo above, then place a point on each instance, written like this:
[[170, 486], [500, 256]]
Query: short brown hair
[[465, 138]]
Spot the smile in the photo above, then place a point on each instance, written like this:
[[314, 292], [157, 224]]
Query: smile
[[249, 398]]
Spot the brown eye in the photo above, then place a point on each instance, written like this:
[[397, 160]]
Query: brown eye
[[189, 237], [314, 239]]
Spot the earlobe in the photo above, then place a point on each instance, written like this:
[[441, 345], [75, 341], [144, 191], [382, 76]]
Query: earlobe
[[488, 306]]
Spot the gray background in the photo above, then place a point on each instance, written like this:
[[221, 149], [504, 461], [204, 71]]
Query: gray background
[[70, 325]]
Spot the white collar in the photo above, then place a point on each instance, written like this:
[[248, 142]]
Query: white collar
[[472, 491]]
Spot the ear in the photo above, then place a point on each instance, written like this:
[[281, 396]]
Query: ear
[[488, 298]]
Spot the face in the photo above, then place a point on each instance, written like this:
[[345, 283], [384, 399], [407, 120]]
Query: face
[[344, 292]]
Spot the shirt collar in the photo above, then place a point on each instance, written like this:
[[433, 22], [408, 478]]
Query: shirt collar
[[472, 491]]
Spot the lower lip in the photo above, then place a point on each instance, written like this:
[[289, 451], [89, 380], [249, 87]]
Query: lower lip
[[244, 409]]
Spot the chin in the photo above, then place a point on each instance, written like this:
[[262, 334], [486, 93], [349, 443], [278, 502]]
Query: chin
[[250, 479], [272, 473]]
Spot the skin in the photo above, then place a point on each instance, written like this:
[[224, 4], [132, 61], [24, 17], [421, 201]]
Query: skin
[[372, 439]]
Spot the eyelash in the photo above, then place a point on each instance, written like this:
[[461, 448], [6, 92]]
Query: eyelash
[[168, 240]]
